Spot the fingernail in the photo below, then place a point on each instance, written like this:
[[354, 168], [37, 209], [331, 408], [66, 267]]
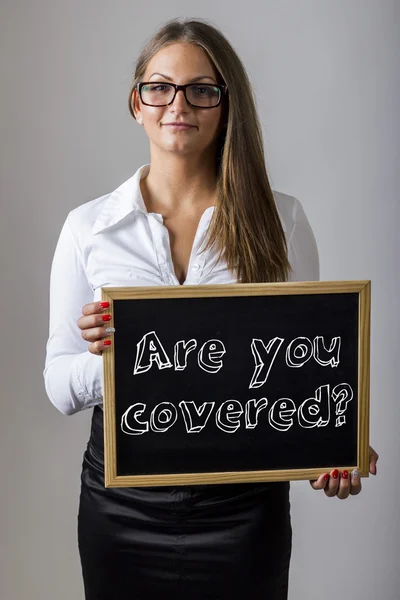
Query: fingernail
[[107, 343], [326, 477], [354, 474], [345, 474], [110, 330], [335, 474], [106, 317], [104, 304]]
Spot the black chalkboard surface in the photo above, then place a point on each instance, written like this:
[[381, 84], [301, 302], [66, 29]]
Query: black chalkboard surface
[[229, 383]]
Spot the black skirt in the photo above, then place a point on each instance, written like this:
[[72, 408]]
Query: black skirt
[[220, 542]]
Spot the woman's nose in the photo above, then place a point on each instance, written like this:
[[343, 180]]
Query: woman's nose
[[180, 100]]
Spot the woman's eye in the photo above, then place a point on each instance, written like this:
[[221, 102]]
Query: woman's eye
[[158, 88], [202, 91]]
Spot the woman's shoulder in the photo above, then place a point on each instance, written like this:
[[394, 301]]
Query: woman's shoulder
[[303, 249], [85, 215], [287, 207], [81, 219]]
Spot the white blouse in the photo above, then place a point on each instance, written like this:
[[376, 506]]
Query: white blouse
[[114, 241]]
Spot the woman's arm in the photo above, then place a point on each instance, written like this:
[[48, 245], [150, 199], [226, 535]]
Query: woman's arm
[[72, 375], [303, 256]]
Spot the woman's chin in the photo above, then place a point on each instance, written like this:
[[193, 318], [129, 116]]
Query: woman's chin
[[180, 148]]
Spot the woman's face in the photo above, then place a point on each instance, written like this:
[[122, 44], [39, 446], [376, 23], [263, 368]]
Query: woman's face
[[180, 63]]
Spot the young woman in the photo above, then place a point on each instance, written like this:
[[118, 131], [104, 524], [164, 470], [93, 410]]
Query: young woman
[[206, 182]]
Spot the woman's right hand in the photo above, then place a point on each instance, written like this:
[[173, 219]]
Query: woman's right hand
[[95, 326]]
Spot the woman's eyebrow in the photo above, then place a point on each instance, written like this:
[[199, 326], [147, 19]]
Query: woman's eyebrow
[[190, 81]]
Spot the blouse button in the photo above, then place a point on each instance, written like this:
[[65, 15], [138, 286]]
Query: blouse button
[[196, 267]]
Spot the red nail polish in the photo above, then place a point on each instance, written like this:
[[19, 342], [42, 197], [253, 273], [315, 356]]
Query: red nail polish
[[345, 474], [107, 343], [335, 474], [326, 477], [106, 317], [104, 304]]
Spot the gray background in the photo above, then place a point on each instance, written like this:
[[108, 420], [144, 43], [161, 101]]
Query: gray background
[[326, 76]]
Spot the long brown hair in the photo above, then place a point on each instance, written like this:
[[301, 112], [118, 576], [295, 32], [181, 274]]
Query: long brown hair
[[245, 227]]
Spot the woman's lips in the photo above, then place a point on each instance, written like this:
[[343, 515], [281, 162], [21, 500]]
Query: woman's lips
[[178, 126]]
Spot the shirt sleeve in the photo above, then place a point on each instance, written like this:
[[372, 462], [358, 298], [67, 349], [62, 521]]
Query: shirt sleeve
[[72, 374], [302, 248]]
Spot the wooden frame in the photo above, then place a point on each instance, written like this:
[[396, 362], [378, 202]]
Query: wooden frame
[[362, 288]]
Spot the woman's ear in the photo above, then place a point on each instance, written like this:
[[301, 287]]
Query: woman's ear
[[136, 106]]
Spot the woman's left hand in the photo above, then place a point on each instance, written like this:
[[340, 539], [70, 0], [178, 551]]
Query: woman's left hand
[[341, 484]]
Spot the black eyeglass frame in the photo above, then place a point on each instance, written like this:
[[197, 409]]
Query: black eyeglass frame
[[222, 88]]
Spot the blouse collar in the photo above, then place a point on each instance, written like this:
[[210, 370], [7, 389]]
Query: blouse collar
[[122, 201]]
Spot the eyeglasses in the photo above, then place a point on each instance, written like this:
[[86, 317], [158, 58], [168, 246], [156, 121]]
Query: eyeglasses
[[198, 95]]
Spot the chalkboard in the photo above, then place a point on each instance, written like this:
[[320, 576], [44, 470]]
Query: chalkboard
[[235, 383]]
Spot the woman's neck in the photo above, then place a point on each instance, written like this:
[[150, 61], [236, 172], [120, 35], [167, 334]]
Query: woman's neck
[[179, 184]]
